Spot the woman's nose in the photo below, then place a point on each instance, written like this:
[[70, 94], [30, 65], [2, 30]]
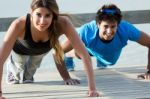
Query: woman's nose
[[42, 20]]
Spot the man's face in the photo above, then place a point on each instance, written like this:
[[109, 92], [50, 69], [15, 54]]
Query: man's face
[[107, 30]]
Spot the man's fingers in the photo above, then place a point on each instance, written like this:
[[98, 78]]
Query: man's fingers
[[141, 77], [72, 82], [144, 76]]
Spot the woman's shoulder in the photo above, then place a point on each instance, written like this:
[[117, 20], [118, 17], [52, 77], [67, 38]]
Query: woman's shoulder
[[18, 25], [63, 19], [20, 21], [63, 23]]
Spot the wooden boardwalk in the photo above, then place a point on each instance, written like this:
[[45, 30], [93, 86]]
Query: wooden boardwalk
[[113, 83]]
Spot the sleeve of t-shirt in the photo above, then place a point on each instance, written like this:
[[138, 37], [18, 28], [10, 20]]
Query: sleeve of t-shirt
[[133, 33], [86, 30], [83, 32]]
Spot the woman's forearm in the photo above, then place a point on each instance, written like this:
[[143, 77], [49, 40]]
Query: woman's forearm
[[89, 71]]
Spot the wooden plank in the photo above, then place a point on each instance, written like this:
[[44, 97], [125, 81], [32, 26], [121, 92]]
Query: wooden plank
[[114, 83]]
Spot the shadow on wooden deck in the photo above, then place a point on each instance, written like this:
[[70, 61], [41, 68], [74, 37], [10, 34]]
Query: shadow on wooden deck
[[113, 83]]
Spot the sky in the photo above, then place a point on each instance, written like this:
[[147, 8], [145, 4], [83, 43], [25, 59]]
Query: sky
[[15, 8]]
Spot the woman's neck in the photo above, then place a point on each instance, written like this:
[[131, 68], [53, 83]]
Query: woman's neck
[[38, 35]]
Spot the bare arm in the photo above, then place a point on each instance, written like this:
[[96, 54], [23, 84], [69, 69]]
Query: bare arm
[[64, 73], [77, 44], [66, 46], [145, 41], [62, 69], [7, 44]]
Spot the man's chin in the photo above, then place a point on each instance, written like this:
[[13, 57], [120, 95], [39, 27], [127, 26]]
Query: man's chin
[[108, 39]]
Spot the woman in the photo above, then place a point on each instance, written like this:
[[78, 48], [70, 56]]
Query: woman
[[31, 37]]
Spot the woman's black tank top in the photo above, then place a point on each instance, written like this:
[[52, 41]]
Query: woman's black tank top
[[27, 46]]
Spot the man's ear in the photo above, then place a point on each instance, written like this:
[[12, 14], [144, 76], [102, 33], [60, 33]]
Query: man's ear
[[98, 24]]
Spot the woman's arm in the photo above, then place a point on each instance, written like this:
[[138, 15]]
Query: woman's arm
[[8, 42], [68, 29]]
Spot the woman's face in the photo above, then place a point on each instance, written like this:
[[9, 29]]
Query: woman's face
[[41, 18], [107, 30]]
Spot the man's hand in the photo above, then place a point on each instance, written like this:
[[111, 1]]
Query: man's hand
[[72, 82], [145, 76]]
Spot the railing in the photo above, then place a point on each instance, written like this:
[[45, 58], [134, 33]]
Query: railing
[[135, 17]]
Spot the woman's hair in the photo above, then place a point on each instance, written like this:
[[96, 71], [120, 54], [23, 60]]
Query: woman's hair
[[109, 12], [52, 6]]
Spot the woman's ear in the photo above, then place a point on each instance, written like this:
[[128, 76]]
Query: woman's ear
[[31, 11]]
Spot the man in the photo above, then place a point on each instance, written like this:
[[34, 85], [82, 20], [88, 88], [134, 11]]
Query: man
[[106, 36]]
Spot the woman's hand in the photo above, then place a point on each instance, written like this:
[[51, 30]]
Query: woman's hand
[[71, 81], [1, 97], [93, 93]]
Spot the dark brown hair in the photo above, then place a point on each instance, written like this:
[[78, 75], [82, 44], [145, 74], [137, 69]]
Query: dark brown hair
[[109, 12]]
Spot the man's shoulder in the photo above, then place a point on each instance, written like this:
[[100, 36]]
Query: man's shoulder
[[93, 23], [124, 23], [89, 26]]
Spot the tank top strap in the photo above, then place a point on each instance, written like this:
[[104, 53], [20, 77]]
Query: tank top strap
[[28, 28]]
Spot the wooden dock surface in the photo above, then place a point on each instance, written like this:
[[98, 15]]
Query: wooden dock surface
[[113, 83]]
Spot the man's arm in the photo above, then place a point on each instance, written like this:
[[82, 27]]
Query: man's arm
[[62, 69], [66, 46], [64, 73], [145, 41], [148, 66]]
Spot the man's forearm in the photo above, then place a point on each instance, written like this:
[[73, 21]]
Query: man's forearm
[[148, 65], [62, 69]]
